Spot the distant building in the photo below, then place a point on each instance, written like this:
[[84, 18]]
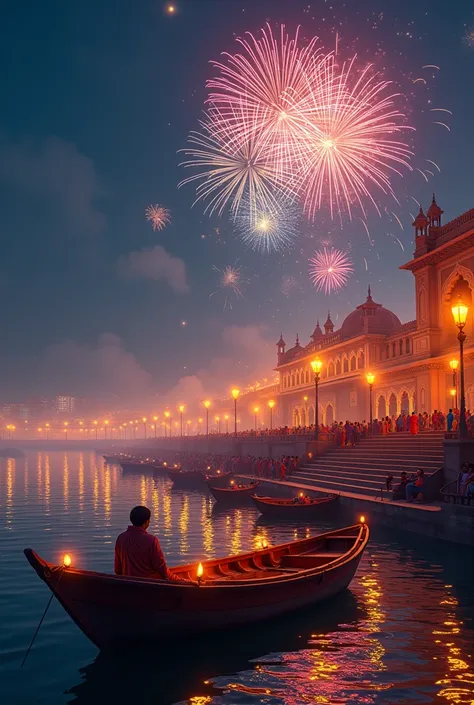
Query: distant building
[[15, 412], [65, 405]]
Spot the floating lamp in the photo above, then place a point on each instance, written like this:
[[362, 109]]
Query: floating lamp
[[362, 519], [264, 543], [67, 560], [199, 573]]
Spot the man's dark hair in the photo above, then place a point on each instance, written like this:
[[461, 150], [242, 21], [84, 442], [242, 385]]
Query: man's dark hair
[[139, 515]]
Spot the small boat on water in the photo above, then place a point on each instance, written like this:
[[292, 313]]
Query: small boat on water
[[234, 494], [220, 479], [115, 459], [137, 465], [236, 590], [297, 508], [187, 479]]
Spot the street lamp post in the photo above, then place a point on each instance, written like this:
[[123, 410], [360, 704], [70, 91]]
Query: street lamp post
[[370, 379], [47, 430], [235, 396], [95, 424], [226, 416], [460, 311], [155, 419], [256, 409], [218, 424], [305, 399], [199, 426], [271, 404], [144, 426], [454, 366], [167, 416], [106, 423], [207, 404], [316, 367], [66, 423], [181, 409]]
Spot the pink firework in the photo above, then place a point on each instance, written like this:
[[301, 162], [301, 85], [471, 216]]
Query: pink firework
[[330, 269], [350, 145], [159, 216], [260, 90]]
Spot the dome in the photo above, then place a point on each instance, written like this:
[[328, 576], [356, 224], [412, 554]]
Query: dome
[[369, 318]]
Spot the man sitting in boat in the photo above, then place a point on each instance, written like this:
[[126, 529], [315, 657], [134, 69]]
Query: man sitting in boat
[[138, 554]]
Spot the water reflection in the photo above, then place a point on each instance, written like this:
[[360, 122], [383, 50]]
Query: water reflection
[[404, 635]]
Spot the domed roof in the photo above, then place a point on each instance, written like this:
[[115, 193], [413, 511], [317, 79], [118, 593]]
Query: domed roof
[[369, 317]]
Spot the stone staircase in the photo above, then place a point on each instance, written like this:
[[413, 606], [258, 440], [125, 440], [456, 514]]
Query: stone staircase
[[364, 468]]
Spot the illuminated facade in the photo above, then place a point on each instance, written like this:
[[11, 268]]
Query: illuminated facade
[[410, 361]]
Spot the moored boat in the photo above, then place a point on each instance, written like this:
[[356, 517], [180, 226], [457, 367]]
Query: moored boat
[[234, 494], [236, 590], [219, 479], [115, 459], [190, 479], [138, 465], [297, 508]]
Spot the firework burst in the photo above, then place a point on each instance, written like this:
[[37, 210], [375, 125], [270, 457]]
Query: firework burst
[[267, 226], [231, 281], [330, 269], [158, 216], [351, 121], [229, 168]]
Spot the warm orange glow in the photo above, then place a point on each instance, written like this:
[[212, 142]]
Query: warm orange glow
[[96, 422], [167, 414], [170, 9], [199, 420], [256, 409], [67, 560], [264, 543], [181, 408], [144, 419], [271, 403], [200, 571], [370, 378], [362, 519], [301, 494], [155, 418], [226, 416], [452, 392], [232, 482], [235, 393], [218, 418], [81, 423], [305, 398], [66, 423], [165, 464], [459, 311], [454, 364], [316, 365], [207, 403]]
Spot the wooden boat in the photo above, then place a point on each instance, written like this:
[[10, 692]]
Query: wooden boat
[[137, 465], [234, 494], [190, 479], [116, 459], [220, 479], [289, 509], [236, 590]]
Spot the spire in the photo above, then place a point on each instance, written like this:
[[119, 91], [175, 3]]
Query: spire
[[434, 214], [369, 294], [281, 343], [297, 344], [317, 332], [329, 325]]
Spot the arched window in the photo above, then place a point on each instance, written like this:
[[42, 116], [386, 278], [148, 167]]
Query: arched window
[[293, 379], [392, 405], [353, 363], [338, 367], [400, 346], [405, 404], [331, 369], [345, 365], [387, 351], [381, 408], [361, 361], [329, 414], [394, 349], [297, 378], [306, 377], [284, 382], [407, 345]]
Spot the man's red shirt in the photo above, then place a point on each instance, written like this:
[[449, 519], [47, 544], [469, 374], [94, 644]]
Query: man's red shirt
[[138, 554]]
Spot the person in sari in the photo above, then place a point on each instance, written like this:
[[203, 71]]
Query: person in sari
[[413, 424]]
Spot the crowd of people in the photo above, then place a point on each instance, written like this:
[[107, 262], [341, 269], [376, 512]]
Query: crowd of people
[[258, 466]]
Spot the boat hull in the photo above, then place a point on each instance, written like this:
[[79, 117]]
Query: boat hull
[[233, 497], [113, 610], [219, 480], [271, 509], [187, 479]]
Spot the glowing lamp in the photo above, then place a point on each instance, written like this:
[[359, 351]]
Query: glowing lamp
[[305, 398], [452, 392], [301, 494], [362, 519], [370, 378], [207, 403], [232, 482], [256, 409], [143, 419], [264, 543], [226, 416], [155, 418], [167, 414], [271, 403], [316, 365], [459, 311], [67, 560], [181, 408], [165, 464], [235, 393], [454, 364], [218, 472], [218, 418], [199, 572]]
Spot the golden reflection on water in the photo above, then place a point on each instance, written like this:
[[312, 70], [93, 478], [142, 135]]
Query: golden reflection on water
[[183, 524], [107, 495], [11, 465], [457, 686], [207, 529], [65, 482], [81, 482], [39, 476], [47, 483], [95, 488], [236, 538], [143, 491], [167, 516]]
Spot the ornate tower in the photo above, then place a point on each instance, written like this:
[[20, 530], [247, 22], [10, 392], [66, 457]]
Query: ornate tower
[[434, 214], [281, 345], [420, 224], [317, 333], [329, 325]]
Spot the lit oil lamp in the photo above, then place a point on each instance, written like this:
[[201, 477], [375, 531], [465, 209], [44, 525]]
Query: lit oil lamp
[[264, 543], [67, 560], [199, 573], [362, 519]]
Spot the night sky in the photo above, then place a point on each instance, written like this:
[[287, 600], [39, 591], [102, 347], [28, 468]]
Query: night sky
[[97, 99]]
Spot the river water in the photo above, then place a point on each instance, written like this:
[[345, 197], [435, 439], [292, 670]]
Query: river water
[[403, 633]]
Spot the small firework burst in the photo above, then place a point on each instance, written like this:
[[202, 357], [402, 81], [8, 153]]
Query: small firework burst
[[469, 38], [330, 269], [289, 285], [158, 216], [230, 281], [266, 226]]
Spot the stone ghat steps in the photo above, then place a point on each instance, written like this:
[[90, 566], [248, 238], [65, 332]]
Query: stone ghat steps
[[364, 468]]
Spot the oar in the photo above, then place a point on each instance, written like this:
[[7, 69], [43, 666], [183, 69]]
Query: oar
[[66, 563]]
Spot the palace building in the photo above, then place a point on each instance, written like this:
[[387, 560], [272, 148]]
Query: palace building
[[410, 361]]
